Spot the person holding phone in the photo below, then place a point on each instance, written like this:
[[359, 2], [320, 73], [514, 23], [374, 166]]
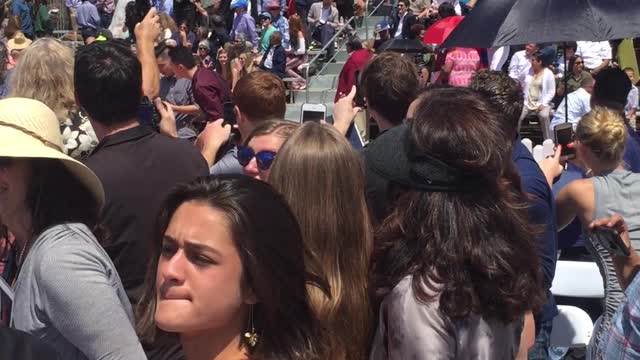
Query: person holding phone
[[323, 20], [600, 142], [258, 96], [622, 340]]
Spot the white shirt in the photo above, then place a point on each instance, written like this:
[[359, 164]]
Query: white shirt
[[268, 63], [594, 53], [398, 34], [632, 100], [498, 56], [456, 5], [560, 67], [519, 65], [578, 103], [548, 86]]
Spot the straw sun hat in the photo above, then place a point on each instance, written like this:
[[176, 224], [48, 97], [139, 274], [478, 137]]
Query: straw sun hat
[[29, 129], [19, 42]]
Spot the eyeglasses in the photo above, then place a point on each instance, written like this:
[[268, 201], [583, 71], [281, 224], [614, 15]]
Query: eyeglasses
[[579, 62], [263, 158], [202, 48]]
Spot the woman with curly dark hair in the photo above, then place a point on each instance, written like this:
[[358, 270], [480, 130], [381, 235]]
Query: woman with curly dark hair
[[455, 267]]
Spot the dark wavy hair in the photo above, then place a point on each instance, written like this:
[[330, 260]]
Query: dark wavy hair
[[504, 94], [572, 63], [269, 242], [475, 249]]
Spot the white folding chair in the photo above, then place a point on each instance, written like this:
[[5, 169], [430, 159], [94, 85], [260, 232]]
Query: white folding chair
[[572, 327], [578, 279]]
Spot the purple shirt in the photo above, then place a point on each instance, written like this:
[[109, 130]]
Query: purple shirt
[[88, 17], [210, 92], [244, 24], [72, 4]]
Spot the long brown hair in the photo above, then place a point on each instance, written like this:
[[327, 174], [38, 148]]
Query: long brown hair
[[322, 178], [269, 243], [295, 27], [476, 246]]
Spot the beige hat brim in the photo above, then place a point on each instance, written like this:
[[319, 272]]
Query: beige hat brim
[[15, 143]]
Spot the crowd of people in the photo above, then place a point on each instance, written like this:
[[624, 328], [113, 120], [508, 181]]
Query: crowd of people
[[155, 203]]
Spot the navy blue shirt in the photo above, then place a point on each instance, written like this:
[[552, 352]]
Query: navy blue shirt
[[542, 211]]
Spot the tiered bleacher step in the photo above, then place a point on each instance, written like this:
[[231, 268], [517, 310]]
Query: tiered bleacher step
[[322, 88]]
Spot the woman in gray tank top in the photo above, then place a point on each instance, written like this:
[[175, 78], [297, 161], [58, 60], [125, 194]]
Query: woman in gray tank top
[[600, 139]]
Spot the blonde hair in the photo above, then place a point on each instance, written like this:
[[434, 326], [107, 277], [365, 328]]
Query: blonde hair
[[249, 66], [45, 73], [280, 128], [322, 178], [166, 22], [603, 131]]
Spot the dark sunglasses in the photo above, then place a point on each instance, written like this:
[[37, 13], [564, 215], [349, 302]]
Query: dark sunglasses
[[263, 158], [579, 62]]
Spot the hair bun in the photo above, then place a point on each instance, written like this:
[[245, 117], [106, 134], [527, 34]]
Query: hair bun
[[604, 132]]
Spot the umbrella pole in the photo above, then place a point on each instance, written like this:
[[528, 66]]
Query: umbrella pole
[[566, 80]]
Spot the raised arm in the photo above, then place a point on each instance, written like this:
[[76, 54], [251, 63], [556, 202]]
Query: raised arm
[[147, 31]]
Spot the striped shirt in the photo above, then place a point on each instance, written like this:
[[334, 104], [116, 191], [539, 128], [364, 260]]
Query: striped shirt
[[622, 341]]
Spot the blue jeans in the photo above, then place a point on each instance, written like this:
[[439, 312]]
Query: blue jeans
[[540, 349]]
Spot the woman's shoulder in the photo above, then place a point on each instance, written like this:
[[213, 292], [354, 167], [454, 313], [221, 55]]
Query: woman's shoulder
[[73, 242], [64, 235]]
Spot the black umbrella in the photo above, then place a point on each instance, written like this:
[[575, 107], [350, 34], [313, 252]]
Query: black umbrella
[[495, 23], [404, 46]]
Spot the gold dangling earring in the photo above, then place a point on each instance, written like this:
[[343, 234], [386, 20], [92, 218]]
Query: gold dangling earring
[[251, 336]]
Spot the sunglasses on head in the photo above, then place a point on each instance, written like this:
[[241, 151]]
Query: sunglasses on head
[[263, 158]]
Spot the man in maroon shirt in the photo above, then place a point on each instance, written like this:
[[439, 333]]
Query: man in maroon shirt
[[209, 89]]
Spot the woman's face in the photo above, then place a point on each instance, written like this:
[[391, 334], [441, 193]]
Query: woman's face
[[199, 277], [578, 66], [15, 176], [536, 64], [223, 58], [270, 142]]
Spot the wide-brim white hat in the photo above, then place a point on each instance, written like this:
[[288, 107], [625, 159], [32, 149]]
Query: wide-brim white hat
[[29, 129]]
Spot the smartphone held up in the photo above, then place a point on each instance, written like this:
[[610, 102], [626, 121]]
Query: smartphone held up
[[313, 112]]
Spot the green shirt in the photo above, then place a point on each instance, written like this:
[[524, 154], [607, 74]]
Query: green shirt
[[574, 83], [42, 19], [264, 40]]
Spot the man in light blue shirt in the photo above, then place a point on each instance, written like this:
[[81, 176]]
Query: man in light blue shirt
[[88, 21], [578, 103]]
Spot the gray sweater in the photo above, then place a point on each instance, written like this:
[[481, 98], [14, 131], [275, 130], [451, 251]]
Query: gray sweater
[[69, 294]]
